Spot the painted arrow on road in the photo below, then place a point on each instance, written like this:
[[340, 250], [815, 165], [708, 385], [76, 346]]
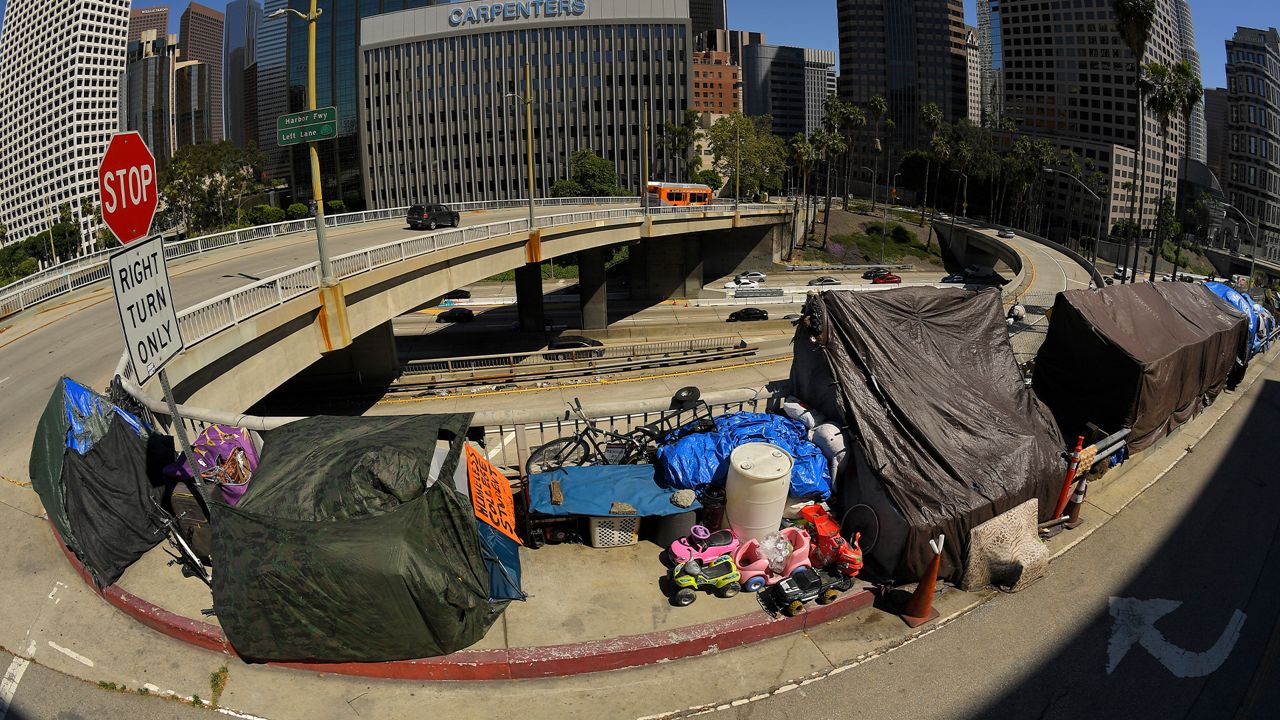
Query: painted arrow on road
[[1135, 625]]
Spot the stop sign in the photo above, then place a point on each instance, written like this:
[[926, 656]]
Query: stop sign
[[127, 187]]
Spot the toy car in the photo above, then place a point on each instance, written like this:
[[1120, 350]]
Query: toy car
[[791, 593], [754, 566], [829, 547], [702, 544], [720, 575]]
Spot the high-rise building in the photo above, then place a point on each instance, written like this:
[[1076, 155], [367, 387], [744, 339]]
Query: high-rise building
[[707, 16], [1069, 78], [272, 77], [193, 118], [200, 39], [973, 74], [146, 93], [1215, 130], [911, 54], [1196, 149], [1252, 183], [787, 83], [715, 84], [991, 58], [151, 18], [61, 61], [239, 53], [732, 42]]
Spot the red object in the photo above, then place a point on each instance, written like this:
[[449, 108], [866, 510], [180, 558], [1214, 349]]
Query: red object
[[919, 609], [889, 279], [829, 547], [127, 187], [1077, 502], [1070, 481]]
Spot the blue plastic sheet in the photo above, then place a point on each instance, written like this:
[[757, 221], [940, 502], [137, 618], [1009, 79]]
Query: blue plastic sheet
[[592, 490], [703, 458], [502, 558], [1237, 300], [88, 416]]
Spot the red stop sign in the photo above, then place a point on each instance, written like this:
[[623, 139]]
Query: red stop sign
[[127, 187]]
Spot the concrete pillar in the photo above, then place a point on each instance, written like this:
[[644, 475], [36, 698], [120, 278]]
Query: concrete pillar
[[594, 291], [529, 298], [373, 355], [692, 268]]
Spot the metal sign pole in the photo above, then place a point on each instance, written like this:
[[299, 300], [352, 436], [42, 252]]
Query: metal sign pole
[[180, 430]]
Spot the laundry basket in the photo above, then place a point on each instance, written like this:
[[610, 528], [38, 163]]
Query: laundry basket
[[609, 532]]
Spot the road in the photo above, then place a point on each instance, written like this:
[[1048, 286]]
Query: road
[[43, 694]]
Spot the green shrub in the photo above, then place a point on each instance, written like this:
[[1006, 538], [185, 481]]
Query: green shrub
[[335, 206], [263, 215], [297, 211]]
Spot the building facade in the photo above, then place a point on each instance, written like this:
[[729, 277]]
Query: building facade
[[271, 74], [716, 84], [707, 16], [147, 93], [144, 19], [732, 42], [239, 54], [200, 39], [192, 115], [441, 84], [52, 143], [973, 74], [788, 83], [1252, 183], [911, 54], [1215, 130], [1196, 148], [991, 58]]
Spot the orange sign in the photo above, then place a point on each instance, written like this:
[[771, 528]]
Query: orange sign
[[491, 495]]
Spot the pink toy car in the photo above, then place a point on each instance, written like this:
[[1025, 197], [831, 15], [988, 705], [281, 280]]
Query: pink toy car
[[703, 544], [755, 567]]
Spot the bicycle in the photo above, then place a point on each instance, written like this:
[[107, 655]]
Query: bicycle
[[180, 551]]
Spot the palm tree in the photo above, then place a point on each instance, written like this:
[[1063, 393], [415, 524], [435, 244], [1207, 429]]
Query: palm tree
[[854, 120], [805, 156], [1164, 98], [877, 108], [939, 149], [931, 120], [829, 144], [1134, 20], [1187, 92]]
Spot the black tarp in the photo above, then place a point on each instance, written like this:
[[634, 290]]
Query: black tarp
[[946, 433], [348, 547], [1145, 356]]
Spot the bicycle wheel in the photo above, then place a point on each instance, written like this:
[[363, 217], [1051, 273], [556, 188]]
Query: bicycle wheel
[[558, 453]]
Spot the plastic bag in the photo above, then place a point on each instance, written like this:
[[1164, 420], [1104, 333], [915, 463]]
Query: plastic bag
[[777, 550]]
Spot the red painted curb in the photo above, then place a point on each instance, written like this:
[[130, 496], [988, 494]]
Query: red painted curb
[[514, 663]]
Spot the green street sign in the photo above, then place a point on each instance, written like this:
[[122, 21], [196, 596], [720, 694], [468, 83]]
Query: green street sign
[[307, 126]]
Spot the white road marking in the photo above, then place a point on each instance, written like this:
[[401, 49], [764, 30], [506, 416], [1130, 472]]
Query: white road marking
[[9, 684], [505, 440], [5, 380], [246, 716], [71, 654], [1135, 625]]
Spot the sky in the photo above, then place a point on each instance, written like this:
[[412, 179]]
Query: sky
[[815, 26]]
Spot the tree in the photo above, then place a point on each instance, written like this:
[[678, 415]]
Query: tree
[[748, 154], [877, 109], [595, 176], [829, 144], [940, 151], [931, 119], [263, 215], [1164, 98], [207, 183], [1134, 20], [566, 188], [297, 211], [710, 178], [1188, 91], [804, 155], [681, 141]]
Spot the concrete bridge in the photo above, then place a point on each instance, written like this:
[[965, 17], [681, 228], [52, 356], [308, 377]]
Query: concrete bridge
[[1227, 264]]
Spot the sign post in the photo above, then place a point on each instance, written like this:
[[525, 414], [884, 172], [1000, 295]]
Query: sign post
[[139, 273]]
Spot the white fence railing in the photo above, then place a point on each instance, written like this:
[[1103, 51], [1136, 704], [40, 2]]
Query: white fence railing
[[88, 269]]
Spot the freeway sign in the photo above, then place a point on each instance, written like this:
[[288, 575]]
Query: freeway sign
[[307, 126], [143, 298]]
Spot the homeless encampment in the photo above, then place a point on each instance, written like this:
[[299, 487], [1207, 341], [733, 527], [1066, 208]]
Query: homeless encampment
[[1145, 356], [946, 435], [1244, 304], [352, 544], [97, 469]]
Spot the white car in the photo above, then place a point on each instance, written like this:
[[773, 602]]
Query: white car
[[741, 283], [1005, 233], [755, 275]]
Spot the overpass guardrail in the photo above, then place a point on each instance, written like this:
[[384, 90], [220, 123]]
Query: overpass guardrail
[[513, 361]]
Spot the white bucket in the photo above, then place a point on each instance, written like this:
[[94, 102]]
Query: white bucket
[[757, 488]]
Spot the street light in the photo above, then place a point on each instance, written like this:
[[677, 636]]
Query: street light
[[1253, 241], [1101, 207], [317, 192], [956, 200], [527, 99]]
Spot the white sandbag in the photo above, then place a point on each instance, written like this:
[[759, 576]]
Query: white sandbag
[[796, 410], [831, 441]]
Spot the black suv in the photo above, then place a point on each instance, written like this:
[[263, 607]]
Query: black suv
[[748, 315], [432, 217]]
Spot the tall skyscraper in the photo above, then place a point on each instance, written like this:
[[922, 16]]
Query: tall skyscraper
[[144, 19], [52, 140], [973, 74], [1252, 184], [239, 54], [193, 119], [146, 94], [787, 83], [1215, 130], [706, 16], [991, 58], [910, 53], [1196, 149], [200, 39], [272, 75]]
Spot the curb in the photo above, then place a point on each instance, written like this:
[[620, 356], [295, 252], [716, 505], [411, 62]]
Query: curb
[[510, 664]]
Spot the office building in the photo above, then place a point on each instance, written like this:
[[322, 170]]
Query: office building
[[715, 84], [707, 16], [144, 19], [442, 125], [732, 42], [1215, 130], [991, 58], [239, 50], [973, 73], [193, 117], [200, 39], [146, 93], [1196, 140], [1252, 183], [52, 141], [271, 77], [910, 54], [788, 83]]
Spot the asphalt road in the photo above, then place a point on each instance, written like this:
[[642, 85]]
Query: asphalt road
[[43, 694]]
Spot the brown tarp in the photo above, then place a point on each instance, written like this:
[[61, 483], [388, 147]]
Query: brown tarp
[[942, 419], [1147, 356]]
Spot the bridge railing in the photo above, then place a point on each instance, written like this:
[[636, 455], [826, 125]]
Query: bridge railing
[[439, 366]]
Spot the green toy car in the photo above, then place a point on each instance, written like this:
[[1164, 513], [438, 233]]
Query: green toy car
[[720, 575]]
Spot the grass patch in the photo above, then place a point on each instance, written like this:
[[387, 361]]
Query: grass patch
[[862, 248], [217, 683]]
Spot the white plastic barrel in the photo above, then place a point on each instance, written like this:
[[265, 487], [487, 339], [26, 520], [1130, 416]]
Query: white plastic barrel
[[757, 488]]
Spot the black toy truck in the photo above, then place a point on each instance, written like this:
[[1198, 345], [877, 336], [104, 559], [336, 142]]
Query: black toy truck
[[790, 594]]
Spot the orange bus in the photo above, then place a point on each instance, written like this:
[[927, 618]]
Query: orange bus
[[662, 193]]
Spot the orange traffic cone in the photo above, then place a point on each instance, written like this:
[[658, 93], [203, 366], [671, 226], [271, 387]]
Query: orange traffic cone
[[1077, 502], [919, 609]]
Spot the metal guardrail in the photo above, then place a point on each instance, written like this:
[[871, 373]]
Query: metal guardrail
[[513, 361], [89, 269]]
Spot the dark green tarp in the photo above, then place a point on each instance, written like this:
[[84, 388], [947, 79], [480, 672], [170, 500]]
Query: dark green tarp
[[348, 548]]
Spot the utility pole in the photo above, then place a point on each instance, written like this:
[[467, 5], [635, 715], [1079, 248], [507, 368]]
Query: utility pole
[[737, 163], [644, 161], [528, 129]]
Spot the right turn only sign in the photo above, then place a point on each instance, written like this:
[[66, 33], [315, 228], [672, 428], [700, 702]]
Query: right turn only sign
[[141, 282]]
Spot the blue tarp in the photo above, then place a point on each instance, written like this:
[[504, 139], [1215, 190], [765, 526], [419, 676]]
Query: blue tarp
[[1266, 324], [593, 489], [502, 560], [84, 405], [703, 458], [1245, 305]]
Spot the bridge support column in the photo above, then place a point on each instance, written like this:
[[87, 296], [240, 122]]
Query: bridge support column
[[374, 356], [666, 269], [529, 297], [593, 289], [692, 268]]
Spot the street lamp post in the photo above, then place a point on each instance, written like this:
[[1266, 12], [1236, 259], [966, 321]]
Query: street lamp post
[[317, 192], [737, 163], [644, 161], [527, 100], [1101, 207]]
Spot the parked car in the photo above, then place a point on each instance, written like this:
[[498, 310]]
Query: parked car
[[824, 280], [874, 273], [581, 348], [1005, 233], [740, 283], [432, 217], [752, 275], [748, 315], [1120, 272], [955, 278], [458, 294], [456, 315], [886, 279]]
